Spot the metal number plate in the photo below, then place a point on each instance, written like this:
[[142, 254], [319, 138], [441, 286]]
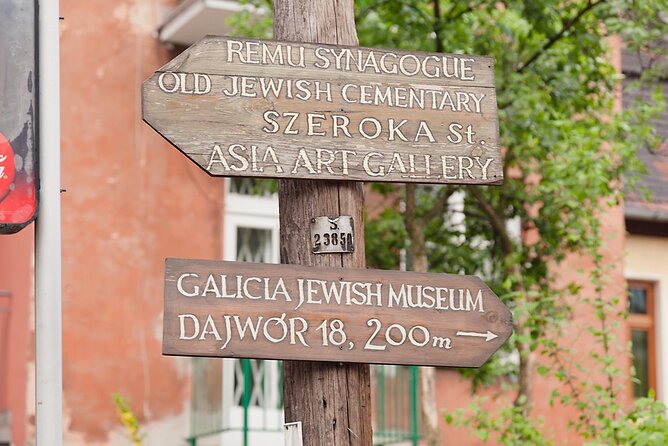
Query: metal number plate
[[332, 234]]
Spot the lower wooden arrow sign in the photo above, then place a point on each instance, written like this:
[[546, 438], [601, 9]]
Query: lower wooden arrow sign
[[249, 310]]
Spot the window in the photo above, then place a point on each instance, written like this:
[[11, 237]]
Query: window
[[239, 401], [394, 392], [641, 308], [252, 393]]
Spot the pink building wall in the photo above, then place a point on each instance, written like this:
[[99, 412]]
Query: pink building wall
[[131, 200], [16, 278]]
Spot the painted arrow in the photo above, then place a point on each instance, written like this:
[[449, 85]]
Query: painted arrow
[[488, 336]]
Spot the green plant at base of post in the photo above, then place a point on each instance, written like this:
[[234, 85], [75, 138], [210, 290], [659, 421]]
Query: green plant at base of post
[[128, 420]]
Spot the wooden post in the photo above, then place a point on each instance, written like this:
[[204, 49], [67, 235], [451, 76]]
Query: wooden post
[[332, 400]]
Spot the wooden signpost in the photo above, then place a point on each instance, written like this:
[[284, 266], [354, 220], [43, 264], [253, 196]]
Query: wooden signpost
[[309, 107], [239, 107], [242, 310]]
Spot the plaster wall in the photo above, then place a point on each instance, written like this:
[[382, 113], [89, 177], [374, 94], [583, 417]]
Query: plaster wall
[[16, 348], [131, 200]]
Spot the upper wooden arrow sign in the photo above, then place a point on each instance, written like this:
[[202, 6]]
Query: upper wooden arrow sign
[[249, 310], [257, 108]]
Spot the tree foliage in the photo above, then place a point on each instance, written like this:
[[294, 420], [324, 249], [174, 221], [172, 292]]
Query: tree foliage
[[567, 152]]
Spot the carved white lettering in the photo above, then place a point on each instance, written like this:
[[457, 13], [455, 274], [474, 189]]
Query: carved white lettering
[[182, 326], [484, 166], [179, 285], [367, 168], [375, 123], [303, 161], [322, 162], [164, 86], [312, 124], [210, 329], [185, 83]]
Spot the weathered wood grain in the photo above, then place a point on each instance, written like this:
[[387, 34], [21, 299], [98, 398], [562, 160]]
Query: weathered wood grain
[[234, 119], [332, 400], [377, 316]]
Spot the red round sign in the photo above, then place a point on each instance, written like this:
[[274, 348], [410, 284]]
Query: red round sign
[[7, 167]]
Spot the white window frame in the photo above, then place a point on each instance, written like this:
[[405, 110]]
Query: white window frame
[[256, 212], [249, 211]]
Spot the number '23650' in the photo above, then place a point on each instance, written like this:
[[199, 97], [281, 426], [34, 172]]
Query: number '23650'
[[334, 239]]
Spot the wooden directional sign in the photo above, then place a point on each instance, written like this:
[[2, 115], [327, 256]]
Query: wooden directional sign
[[233, 309], [258, 108]]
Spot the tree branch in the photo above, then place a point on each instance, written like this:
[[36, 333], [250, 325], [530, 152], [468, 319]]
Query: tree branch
[[412, 229], [415, 230], [438, 26], [441, 203], [497, 221], [567, 26]]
